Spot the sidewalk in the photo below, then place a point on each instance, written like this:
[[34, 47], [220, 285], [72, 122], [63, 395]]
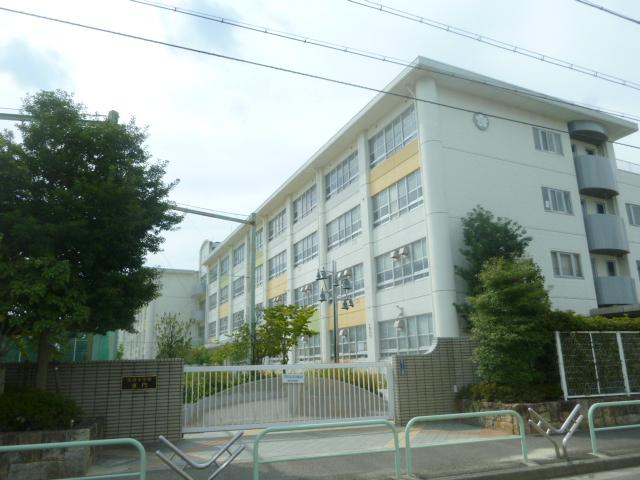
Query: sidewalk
[[486, 458]]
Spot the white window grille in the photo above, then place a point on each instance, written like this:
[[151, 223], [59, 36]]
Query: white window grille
[[238, 255], [406, 335], [547, 141], [304, 204], [306, 249], [341, 176], [224, 294], [344, 228], [557, 200], [395, 135], [566, 264], [402, 265], [399, 198], [237, 287], [278, 264], [278, 224], [306, 295], [238, 320]]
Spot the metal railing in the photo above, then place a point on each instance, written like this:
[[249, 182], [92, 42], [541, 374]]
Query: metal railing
[[317, 426], [592, 427], [243, 397], [459, 416], [142, 473]]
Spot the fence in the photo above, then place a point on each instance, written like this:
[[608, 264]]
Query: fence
[[596, 364], [592, 427], [234, 397]]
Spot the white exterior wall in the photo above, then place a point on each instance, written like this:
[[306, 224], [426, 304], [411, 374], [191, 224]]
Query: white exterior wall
[[176, 297], [461, 167]]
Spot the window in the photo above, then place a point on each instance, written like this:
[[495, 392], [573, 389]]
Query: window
[[344, 228], [212, 329], [306, 295], [547, 141], [259, 274], [556, 200], [306, 249], [238, 320], [352, 342], [402, 265], [213, 301], [308, 349], [408, 335], [224, 295], [278, 264], [600, 208], [397, 199], [237, 288], [304, 204], [278, 224], [224, 326], [342, 176], [238, 255], [357, 281], [400, 131], [260, 239], [213, 273], [566, 264], [278, 300], [224, 265], [633, 211], [611, 268]]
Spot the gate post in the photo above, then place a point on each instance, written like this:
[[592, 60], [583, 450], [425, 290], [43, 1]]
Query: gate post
[[391, 401], [623, 363]]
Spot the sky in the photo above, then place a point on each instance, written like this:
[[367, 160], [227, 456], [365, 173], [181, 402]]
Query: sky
[[232, 133]]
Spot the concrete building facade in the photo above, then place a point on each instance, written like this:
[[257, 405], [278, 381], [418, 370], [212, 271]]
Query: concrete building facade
[[385, 196], [180, 293]]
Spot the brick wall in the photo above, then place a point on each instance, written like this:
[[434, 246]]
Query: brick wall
[[425, 384], [97, 388]]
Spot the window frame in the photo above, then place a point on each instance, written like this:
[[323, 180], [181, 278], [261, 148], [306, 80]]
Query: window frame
[[306, 249], [393, 136], [390, 272], [542, 143], [552, 195], [341, 176], [344, 232], [558, 266], [305, 204], [389, 199], [277, 265], [277, 225]]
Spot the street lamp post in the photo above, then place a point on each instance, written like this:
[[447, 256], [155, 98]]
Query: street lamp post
[[336, 281]]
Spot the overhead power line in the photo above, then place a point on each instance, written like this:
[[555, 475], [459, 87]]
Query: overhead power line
[[606, 10], [496, 43], [367, 54], [288, 70]]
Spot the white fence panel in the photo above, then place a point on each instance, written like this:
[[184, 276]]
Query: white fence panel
[[225, 398]]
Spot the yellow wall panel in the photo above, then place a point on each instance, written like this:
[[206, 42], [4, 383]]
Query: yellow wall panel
[[223, 310], [259, 257], [357, 315], [314, 321], [398, 166], [277, 286], [223, 281]]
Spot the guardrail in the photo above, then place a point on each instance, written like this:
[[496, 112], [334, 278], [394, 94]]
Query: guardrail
[[318, 426], [458, 416], [142, 474], [593, 429]]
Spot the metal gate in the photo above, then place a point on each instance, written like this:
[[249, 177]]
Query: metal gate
[[240, 397], [599, 364]]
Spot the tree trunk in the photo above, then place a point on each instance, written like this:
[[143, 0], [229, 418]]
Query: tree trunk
[[44, 353]]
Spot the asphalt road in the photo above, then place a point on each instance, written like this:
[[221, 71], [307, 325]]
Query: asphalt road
[[625, 474]]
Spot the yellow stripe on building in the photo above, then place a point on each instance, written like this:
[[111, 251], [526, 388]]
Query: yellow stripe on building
[[397, 166]]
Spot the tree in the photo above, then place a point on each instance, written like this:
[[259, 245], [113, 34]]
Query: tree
[[173, 336], [81, 205], [510, 321], [487, 237], [283, 326]]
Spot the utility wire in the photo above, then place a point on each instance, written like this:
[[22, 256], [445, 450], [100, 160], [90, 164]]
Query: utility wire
[[242, 215], [606, 10], [367, 54], [496, 43], [288, 70]]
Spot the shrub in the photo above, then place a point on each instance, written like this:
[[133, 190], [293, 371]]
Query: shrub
[[36, 410], [493, 392], [573, 322]]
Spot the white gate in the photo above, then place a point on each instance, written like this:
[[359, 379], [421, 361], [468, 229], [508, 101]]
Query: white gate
[[240, 397]]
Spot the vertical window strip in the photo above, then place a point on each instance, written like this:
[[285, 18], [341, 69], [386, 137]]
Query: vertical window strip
[[395, 135], [397, 199], [341, 176], [306, 249], [408, 335], [278, 224], [238, 255], [238, 287], [344, 228], [259, 238], [238, 320], [259, 275], [278, 264], [224, 295], [304, 204], [213, 301], [224, 326], [402, 265]]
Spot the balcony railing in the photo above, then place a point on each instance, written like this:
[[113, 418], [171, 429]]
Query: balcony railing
[[606, 234], [615, 291], [596, 176]]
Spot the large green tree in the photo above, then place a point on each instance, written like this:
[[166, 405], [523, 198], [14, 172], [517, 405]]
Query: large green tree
[[173, 336], [486, 237], [81, 205], [511, 326]]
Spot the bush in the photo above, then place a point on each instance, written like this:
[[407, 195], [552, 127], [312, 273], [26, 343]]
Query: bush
[[493, 392], [573, 322], [36, 410]]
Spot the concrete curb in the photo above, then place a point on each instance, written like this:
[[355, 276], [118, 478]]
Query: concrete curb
[[554, 470]]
